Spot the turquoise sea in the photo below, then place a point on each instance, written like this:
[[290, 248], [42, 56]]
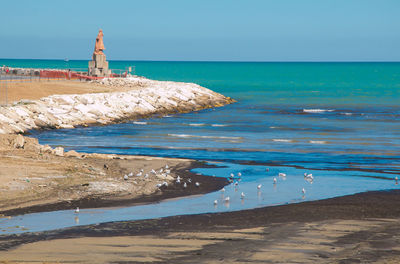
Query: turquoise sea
[[337, 121]]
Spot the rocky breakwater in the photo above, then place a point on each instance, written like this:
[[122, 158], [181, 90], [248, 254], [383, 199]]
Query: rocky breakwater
[[143, 97]]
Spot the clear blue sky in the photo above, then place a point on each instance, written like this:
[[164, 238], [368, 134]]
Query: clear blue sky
[[228, 30]]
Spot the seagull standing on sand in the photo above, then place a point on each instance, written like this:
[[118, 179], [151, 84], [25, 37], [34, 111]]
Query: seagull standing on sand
[[126, 177]]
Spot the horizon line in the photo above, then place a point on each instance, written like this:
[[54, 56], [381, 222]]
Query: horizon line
[[234, 61]]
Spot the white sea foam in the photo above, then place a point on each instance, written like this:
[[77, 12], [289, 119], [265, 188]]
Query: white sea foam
[[318, 142], [196, 124], [282, 140], [197, 136], [140, 123], [317, 110], [218, 125]]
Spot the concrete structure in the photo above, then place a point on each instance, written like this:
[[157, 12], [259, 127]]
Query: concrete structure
[[98, 66]]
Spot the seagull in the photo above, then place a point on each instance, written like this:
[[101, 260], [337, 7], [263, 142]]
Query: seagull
[[166, 166], [141, 170], [161, 170], [236, 183], [396, 178], [130, 174], [158, 185], [167, 171], [139, 174], [178, 180], [223, 190], [281, 174], [215, 202], [77, 210], [259, 186], [239, 174], [227, 199], [242, 195], [232, 175], [303, 191], [197, 184], [165, 184], [126, 177], [274, 180], [189, 180], [153, 171], [146, 175], [184, 185]]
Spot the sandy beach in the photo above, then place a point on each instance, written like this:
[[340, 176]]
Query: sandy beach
[[361, 228]]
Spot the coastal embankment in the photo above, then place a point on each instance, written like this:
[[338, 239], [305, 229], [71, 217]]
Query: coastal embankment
[[144, 98]]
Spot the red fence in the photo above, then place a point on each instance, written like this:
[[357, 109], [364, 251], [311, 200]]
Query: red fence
[[68, 75]]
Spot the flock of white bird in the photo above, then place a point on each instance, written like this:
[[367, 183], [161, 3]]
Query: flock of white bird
[[308, 177], [165, 172], [162, 173]]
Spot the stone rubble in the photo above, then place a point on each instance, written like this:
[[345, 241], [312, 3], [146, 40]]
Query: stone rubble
[[68, 111]]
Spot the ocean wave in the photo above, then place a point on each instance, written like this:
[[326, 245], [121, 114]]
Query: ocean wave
[[197, 136], [282, 140], [317, 110], [139, 123], [197, 124], [219, 125], [318, 142]]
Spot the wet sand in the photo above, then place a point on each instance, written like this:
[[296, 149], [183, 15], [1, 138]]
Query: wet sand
[[361, 228]]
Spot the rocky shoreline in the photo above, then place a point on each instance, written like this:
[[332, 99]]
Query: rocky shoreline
[[51, 179], [144, 98]]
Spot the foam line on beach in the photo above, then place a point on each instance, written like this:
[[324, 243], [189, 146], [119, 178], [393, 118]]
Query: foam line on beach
[[146, 98]]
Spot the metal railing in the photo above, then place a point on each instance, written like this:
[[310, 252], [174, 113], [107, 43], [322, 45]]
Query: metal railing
[[12, 75]]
